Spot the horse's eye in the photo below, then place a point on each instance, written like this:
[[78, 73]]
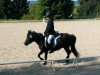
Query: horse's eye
[[30, 36]]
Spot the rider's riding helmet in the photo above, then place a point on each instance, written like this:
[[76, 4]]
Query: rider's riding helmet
[[49, 14]]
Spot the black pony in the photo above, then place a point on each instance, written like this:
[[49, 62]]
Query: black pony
[[66, 41]]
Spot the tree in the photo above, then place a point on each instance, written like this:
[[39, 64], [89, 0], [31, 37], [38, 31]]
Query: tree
[[13, 9], [5, 9], [1, 8], [44, 6], [98, 8], [20, 7], [61, 8], [89, 8]]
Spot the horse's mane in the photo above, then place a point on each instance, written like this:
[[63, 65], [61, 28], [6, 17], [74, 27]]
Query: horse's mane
[[39, 35]]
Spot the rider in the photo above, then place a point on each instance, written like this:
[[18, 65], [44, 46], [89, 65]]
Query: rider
[[50, 32]]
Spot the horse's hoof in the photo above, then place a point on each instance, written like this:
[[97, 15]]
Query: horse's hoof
[[44, 63], [41, 59]]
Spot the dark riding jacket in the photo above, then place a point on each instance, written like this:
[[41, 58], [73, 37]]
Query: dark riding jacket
[[50, 28]]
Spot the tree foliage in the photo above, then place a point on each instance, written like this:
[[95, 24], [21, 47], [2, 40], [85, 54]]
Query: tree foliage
[[5, 8], [89, 8], [20, 8], [62, 9], [13, 9]]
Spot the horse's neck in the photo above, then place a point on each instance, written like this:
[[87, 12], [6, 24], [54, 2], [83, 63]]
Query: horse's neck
[[39, 38]]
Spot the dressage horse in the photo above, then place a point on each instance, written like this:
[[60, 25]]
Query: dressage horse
[[66, 41]]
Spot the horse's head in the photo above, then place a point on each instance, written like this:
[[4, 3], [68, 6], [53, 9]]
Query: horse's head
[[30, 37]]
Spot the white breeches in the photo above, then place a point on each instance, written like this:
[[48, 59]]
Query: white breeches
[[50, 38]]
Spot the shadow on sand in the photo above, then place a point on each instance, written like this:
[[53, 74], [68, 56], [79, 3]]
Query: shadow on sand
[[39, 69]]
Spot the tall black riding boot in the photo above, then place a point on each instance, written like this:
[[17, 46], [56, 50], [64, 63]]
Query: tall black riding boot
[[51, 48]]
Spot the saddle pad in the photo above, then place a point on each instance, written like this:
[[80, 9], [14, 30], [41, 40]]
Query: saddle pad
[[55, 41]]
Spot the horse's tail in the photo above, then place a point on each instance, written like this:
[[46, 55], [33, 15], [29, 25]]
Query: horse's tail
[[73, 48]]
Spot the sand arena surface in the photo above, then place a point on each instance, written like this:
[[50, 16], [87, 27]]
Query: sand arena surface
[[13, 35]]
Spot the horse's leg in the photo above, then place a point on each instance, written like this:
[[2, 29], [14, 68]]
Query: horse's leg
[[41, 52], [46, 54], [73, 48], [68, 53]]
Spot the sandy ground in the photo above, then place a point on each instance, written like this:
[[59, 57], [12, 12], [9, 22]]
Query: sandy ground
[[13, 35]]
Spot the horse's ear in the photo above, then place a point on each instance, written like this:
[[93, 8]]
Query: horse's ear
[[29, 30]]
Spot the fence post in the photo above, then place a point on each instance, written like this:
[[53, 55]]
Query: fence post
[[75, 61]]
